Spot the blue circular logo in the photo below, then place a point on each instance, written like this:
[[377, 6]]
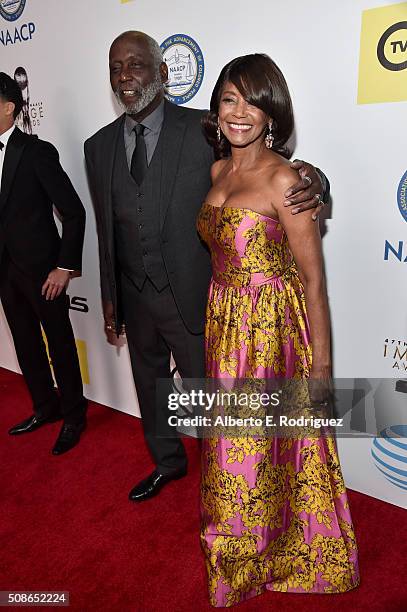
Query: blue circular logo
[[11, 9], [186, 67], [402, 196], [389, 452]]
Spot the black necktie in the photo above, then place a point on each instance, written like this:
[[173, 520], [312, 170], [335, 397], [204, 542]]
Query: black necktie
[[139, 158], [1, 146]]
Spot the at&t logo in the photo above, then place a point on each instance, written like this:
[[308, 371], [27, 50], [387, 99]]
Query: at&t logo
[[389, 452]]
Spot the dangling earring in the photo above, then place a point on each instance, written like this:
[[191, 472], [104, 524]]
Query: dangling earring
[[269, 139], [218, 132]]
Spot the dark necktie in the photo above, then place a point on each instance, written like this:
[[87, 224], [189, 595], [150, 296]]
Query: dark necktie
[[1, 146], [139, 158]]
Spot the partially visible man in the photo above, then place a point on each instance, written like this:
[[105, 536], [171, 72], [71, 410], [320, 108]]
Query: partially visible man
[[35, 268], [149, 172]]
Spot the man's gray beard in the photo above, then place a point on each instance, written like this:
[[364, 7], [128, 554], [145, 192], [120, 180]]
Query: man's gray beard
[[146, 96]]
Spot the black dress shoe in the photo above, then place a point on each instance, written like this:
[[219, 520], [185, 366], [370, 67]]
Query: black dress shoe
[[153, 484], [32, 423], [69, 437]]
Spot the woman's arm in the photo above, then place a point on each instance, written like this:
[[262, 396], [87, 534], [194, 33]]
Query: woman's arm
[[305, 243]]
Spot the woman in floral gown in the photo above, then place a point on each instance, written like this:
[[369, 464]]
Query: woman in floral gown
[[275, 513]]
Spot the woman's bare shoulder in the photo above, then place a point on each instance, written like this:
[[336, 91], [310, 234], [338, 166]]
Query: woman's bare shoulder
[[282, 176], [217, 168]]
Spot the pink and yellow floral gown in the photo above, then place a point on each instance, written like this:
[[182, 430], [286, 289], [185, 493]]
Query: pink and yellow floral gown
[[275, 513]]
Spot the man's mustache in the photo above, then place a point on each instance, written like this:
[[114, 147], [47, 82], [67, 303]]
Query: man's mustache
[[137, 90]]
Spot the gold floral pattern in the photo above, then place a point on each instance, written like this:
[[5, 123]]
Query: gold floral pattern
[[275, 513]]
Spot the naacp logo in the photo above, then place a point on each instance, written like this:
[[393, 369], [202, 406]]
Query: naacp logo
[[398, 46], [398, 250], [186, 67], [11, 9], [402, 196]]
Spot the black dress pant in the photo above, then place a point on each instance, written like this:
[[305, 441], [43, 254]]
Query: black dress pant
[[154, 329], [26, 310]]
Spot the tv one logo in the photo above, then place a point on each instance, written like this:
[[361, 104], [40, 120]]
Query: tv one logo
[[383, 55], [399, 47]]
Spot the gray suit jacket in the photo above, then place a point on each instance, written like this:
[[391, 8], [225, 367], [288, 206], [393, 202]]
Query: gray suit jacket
[[185, 181]]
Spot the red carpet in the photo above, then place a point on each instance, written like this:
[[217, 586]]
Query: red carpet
[[66, 525]]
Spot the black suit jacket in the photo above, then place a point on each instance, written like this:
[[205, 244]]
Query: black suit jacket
[[185, 181], [32, 182]]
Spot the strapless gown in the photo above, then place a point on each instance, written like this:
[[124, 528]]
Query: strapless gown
[[275, 513]]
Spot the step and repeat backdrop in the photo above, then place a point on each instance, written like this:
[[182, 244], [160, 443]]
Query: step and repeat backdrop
[[346, 67]]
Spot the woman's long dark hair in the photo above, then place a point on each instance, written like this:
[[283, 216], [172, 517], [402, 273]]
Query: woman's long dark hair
[[262, 84]]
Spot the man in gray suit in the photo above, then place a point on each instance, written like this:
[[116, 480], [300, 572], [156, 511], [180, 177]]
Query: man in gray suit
[[149, 172]]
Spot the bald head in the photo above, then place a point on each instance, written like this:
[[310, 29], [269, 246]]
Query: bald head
[[151, 44]]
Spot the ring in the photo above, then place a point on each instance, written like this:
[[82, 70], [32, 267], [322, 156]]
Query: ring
[[320, 201], [307, 178]]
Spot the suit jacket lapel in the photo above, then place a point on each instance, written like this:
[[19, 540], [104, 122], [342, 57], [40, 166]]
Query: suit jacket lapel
[[14, 151], [108, 153], [172, 135]]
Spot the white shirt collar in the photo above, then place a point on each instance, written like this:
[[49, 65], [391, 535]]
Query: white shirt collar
[[4, 137]]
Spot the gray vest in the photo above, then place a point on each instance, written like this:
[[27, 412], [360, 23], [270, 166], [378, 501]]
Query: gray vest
[[136, 219]]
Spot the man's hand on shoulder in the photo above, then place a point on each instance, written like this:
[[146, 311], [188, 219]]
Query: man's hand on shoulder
[[307, 192]]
